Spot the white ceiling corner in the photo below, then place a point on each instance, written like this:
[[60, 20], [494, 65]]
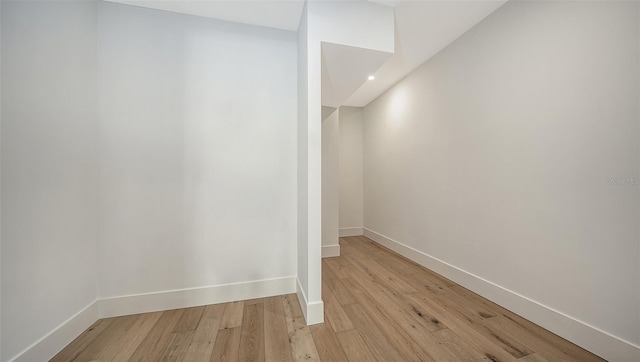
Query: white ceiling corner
[[423, 28], [278, 14], [345, 69]]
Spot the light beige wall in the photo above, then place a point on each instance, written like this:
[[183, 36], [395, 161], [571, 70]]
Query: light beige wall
[[350, 170], [49, 173], [330, 150], [511, 162]]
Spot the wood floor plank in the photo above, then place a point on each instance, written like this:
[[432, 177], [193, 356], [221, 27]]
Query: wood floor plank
[[342, 293], [411, 339], [111, 336], [404, 310], [182, 335], [401, 309], [293, 314], [158, 337], [482, 344], [498, 336], [541, 347], [337, 267], [303, 348], [334, 313], [177, 346], [189, 320], [532, 332], [232, 316], [386, 344], [254, 301], [439, 292], [78, 345], [378, 306], [501, 338], [335, 285], [533, 358], [132, 339], [379, 272], [419, 279], [227, 345], [390, 254], [458, 346], [252, 337], [203, 341], [354, 346], [276, 335], [361, 243], [327, 344]]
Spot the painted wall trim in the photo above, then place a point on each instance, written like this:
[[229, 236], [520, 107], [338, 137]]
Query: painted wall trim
[[352, 231], [330, 251], [313, 312], [589, 337], [184, 298], [52, 343]]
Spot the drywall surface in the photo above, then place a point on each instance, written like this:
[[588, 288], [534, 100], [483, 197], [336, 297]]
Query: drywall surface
[[197, 151], [0, 181], [514, 155], [359, 24], [49, 167], [369, 26], [330, 177], [302, 171], [350, 168]]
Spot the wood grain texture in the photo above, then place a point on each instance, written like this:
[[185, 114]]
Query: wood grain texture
[[227, 345], [83, 341], [354, 346], [252, 336], [176, 346], [204, 339], [379, 306], [134, 337], [303, 348], [334, 312], [158, 337], [276, 336], [232, 316], [327, 343], [102, 346]]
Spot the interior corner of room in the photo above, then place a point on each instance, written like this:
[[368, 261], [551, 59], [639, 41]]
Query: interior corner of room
[[159, 155]]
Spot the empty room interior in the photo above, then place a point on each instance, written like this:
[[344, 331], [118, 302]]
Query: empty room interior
[[287, 180]]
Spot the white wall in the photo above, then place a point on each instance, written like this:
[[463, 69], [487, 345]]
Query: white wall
[[49, 167], [0, 180], [368, 26], [197, 152], [330, 181], [350, 170], [513, 155], [355, 23], [302, 287]]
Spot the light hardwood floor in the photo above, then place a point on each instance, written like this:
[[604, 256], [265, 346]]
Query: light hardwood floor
[[379, 306]]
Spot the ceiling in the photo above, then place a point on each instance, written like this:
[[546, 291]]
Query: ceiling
[[423, 28], [344, 69], [279, 14]]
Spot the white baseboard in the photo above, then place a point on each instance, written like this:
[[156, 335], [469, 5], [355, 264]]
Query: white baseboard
[[591, 338], [184, 298], [49, 345], [344, 232], [52, 343], [313, 312], [330, 251]]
